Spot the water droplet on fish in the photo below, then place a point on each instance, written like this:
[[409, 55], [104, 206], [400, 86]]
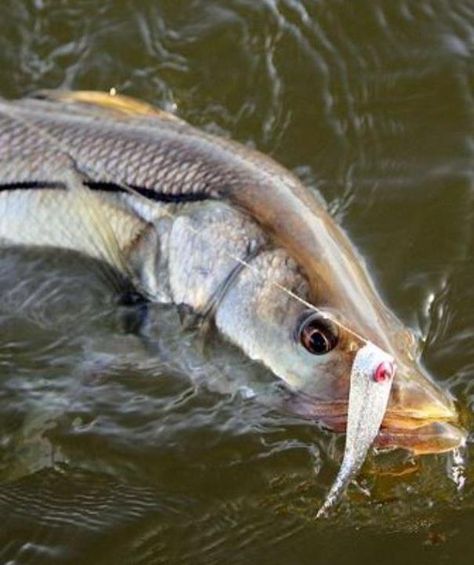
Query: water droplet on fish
[[457, 468], [247, 392]]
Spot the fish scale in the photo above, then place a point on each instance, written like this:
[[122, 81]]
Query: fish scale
[[142, 158]]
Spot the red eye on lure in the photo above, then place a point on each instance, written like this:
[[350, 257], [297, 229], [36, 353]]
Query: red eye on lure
[[384, 371]]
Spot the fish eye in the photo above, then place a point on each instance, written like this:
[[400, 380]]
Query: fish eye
[[317, 334]]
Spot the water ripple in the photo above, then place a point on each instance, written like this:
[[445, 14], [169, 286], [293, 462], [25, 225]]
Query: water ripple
[[116, 448]]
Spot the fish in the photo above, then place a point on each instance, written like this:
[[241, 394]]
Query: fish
[[235, 241]]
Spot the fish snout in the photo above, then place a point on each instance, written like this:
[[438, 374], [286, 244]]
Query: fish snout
[[420, 416]]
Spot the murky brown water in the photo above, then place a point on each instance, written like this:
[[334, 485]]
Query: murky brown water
[[117, 450]]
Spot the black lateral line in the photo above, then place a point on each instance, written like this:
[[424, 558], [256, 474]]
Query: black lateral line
[[30, 185], [148, 193]]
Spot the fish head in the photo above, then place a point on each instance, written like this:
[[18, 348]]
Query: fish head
[[310, 336], [421, 416]]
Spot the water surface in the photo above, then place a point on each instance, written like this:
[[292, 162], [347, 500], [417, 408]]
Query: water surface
[[116, 449]]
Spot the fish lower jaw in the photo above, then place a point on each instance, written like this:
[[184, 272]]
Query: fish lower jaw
[[420, 435], [423, 439]]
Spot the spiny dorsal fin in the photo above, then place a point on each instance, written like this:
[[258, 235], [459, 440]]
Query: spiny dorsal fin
[[117, 104]]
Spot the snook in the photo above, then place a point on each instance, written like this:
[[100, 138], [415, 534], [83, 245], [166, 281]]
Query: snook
[[221, 230]]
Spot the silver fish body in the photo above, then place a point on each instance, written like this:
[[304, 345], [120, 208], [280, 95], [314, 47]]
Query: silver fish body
[[190, 258], [206, 223]]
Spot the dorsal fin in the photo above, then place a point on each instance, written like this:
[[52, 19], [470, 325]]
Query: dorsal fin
[[117, 104]]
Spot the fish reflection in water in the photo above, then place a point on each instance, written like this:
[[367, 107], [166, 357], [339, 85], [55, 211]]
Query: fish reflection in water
[[232, 239]]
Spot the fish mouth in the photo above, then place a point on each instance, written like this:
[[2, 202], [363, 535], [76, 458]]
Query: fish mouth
[[420, 417], [419, 435]]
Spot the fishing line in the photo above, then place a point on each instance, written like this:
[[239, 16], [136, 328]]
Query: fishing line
[[249, 266], [59, 146]]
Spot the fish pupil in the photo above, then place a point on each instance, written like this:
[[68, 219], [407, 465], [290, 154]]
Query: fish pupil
[[319, 344], [317, 336]]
